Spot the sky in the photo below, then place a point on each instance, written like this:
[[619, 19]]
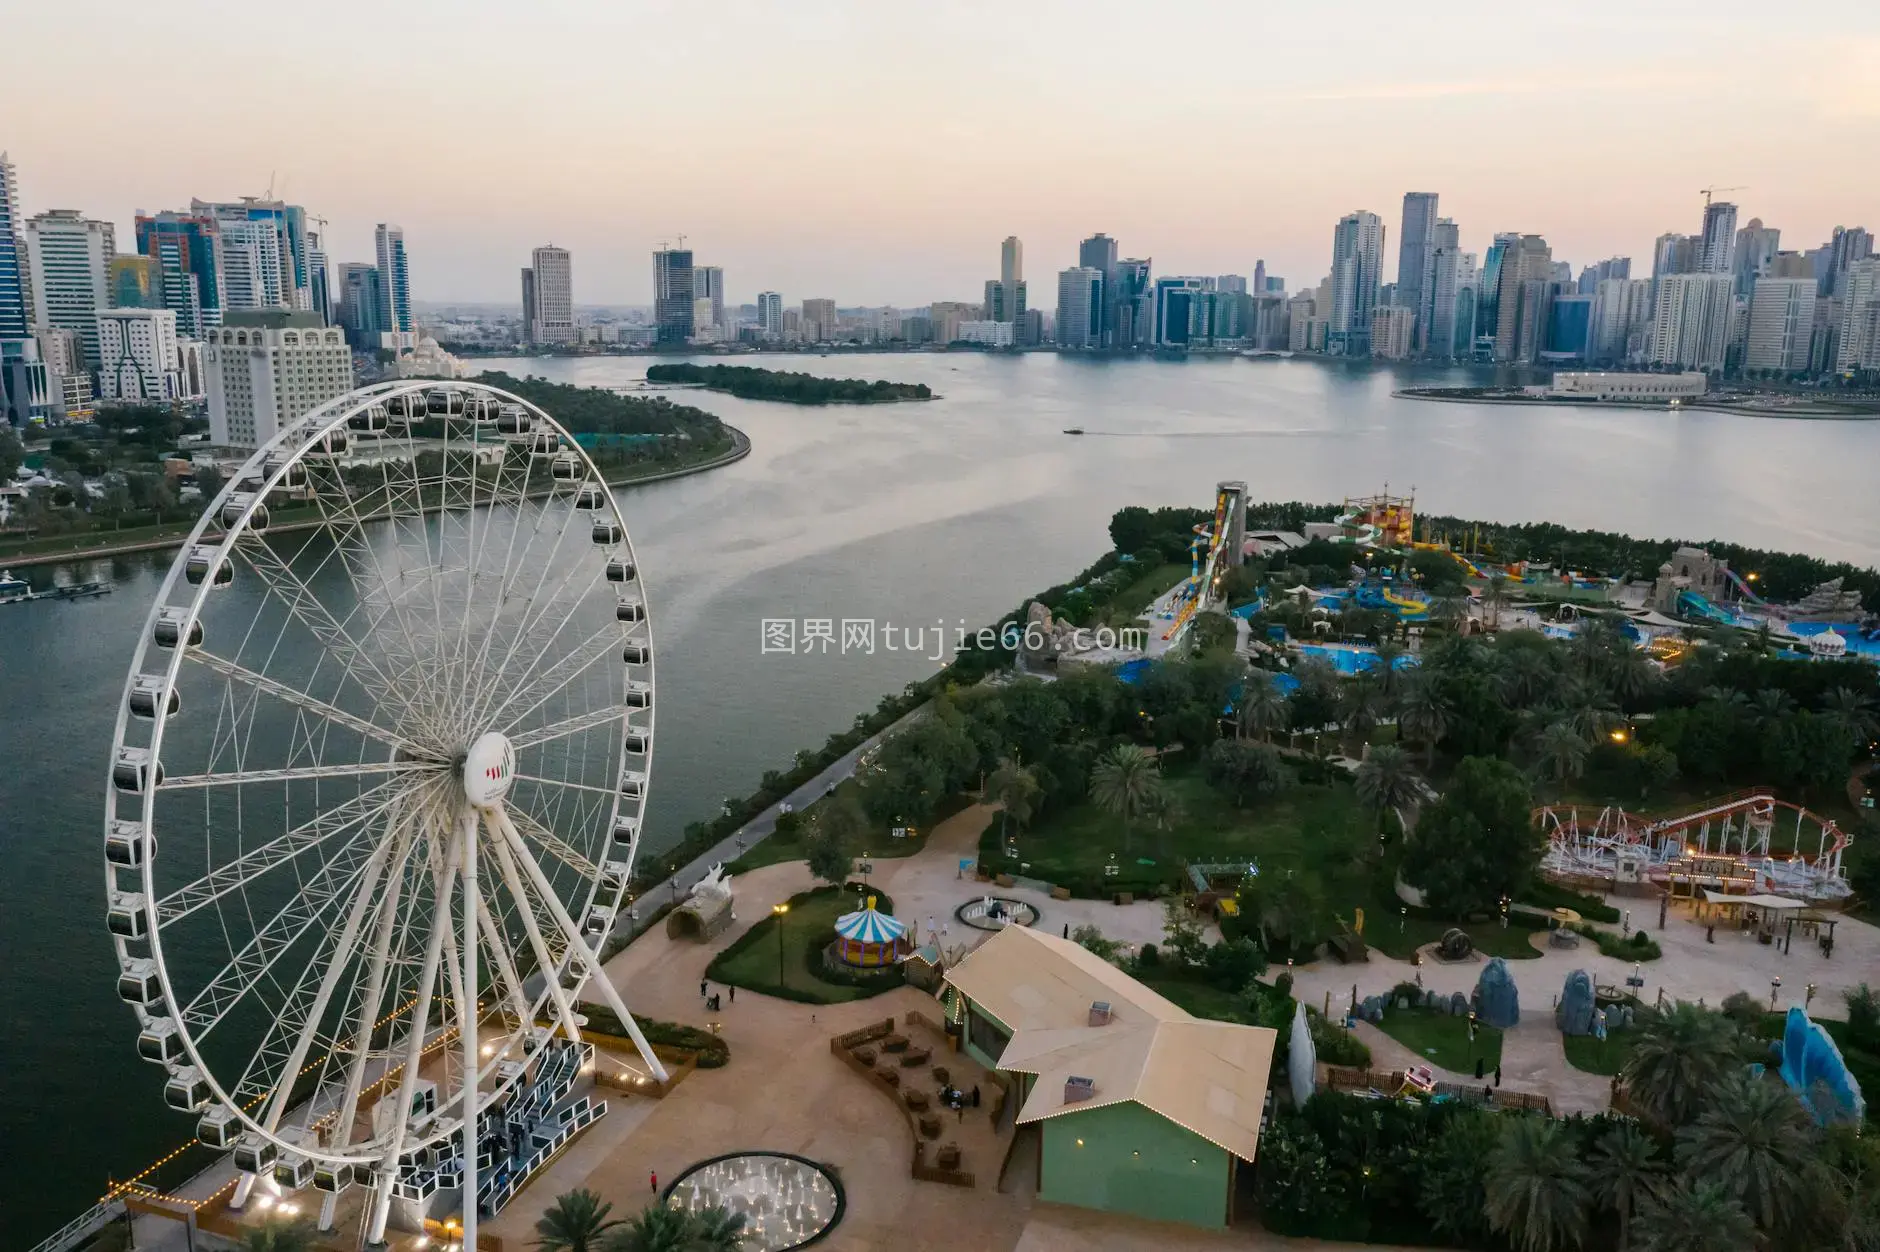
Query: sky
[[877, 153]]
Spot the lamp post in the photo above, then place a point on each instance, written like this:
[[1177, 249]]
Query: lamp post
[[1808, 995], [777, 911], [1403, 917], [1775, 985]]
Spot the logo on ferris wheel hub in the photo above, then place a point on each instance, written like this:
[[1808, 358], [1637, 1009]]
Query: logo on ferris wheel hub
[[488, 769]]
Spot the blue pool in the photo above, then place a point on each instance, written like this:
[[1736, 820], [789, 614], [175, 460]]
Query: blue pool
[[1350, 658], [1858, 644]]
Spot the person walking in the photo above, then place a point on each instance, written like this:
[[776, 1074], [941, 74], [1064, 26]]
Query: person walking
[[1498, 1075], [975, 1095], [703, 989], [652, 1180]]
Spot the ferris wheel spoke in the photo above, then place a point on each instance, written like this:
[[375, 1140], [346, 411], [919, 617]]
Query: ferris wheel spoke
[[565, 786], [300, 699], [555, 677], [552, 843], [376, 592], [548, 959], [298, 773], [608, 716], [308, 609], [250, 866]]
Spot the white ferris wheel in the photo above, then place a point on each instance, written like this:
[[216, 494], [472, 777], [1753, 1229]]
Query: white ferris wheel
[[377, 786]]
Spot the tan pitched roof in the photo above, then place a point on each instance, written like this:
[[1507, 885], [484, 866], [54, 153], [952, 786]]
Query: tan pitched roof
[[1208, 1077]]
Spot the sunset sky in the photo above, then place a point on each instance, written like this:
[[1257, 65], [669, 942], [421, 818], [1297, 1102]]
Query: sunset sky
[[877, 152]]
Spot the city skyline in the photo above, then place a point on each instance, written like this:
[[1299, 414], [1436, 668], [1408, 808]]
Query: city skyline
[[779, 204]]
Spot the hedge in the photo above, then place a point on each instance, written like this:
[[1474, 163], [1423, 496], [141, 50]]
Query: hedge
[[713, 1052]]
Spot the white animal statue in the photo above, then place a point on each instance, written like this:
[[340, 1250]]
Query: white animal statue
[[714, 885]]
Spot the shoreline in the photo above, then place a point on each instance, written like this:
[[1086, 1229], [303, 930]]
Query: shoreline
[[741, 448], [1740, 410], [801, 404]]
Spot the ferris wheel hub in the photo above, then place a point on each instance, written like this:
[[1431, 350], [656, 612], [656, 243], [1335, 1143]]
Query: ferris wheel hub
[[488, 769]]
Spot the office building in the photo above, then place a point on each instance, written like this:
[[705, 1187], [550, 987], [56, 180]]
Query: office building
[[1834, 258], [1080, 308], [1131, 305], [1099, 253], [674, 312], [265, 370], [25, 383], [1717, 239], [319, 275], [553, 269], [1858, 290], [16, 311], [708, 284], [360, 299], [265, 251], [819, 321], [132, 282], [1177, 318], [185, 250], [67, 255], [1569, 326], [1524, 285], [1781, 319], [1621, 319], [770, 313], [394, 280], [1357, 260], [139, 360], [948, 316], [1005, 295], [1231, 283], [528, 305], [1756, 247], [1447, 325], [1691, 320], [1415, 242], [1392, 327]]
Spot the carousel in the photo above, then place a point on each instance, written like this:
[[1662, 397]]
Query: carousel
[[869, 938]]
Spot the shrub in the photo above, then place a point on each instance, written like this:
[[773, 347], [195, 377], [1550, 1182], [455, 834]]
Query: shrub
[[1638, 947], [713, 1052], [1543, 894], [1334, 1044], [1148, 957], [1233, 963], [1863, 1017], [1406, 991]]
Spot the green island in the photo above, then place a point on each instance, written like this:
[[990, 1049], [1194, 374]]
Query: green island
[[750, 383], [116, 484]]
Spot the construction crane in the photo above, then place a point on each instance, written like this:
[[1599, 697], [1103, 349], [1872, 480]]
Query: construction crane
[[1708, 192]]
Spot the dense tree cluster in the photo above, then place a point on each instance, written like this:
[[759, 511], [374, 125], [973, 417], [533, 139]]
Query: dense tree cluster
[[750, 383]]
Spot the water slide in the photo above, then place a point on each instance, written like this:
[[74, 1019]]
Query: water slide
[[1202, 572], [1405, 608], [1453, 555], [1743, 588], [1702, 607], [1367, 533]]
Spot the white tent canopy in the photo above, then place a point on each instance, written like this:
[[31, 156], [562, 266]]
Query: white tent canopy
[[1759, 902]]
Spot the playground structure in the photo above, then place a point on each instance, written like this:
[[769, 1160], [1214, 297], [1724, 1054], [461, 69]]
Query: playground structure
[[1724, 846], [1216, 546], [1381, 520]]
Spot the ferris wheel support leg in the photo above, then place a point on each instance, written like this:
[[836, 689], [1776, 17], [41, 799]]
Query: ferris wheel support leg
[[564, 1011], [576, 944], [467, 1016], [329, 1207], [243, 1185]]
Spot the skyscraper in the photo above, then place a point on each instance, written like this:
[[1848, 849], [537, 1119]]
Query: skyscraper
[[1005, 295], [68, 255], [132, 282], [1781, 319], [1691, 320], [186, 251], [14, 313], [1099, 253], [1718, 238], [1621, 320], [360, 299], [1858, 290], [394, 279], [1011, 260], [1179, 311], [1488, 294], [708, 284], [1677, 254], [1850, 244], [528, 305], [1231, 283], [1756, 248], [1451, 283], [1357, 259], [1523, 291], [1132, 305], [1080, 308], [266, 253], [818, 323], [770, 313], [672, 296], [1415, 242], [554, 296]]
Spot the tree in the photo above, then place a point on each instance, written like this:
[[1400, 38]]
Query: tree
[[1536, 1186], [1122, 782], [1561, 751], [1181, 933], [1852, 713], [1316, 701], [1362, 708], [12, 453], [1387, 780], [658, 1228], [1164, 810], [1682, 1053], [1452, 1195], [1423, 714], [1494, 595], [830, 849], [1477, 842], [1246, 769], [1260, 709], [1232, 964], [575, 1222], [1016, 790], [1694, 1215], [1756, 1138], [278, 1236], [1623, 1169]]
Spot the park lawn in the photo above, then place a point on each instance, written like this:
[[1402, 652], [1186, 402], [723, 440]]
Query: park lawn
[[1398, 932], [1126, 605], [1072, 846], [1600, 1056], [1443, 1039], [1194, 994], [778, 847], [752, 961]]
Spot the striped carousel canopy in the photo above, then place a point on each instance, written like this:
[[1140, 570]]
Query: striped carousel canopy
[[869, 925]]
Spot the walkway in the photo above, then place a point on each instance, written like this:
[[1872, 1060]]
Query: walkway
[[1532, 1061]]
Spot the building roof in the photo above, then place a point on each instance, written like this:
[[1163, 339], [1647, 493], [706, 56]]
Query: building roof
[[1207, 1077]]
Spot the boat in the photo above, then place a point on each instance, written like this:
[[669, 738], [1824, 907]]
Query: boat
[[17, 590], [1074, 430], [12, 588]]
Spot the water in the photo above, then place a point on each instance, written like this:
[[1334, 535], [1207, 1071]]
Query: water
[[1350, 658], [915, 515]]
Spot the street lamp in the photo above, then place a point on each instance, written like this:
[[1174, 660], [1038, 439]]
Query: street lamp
[[1775, 985], [1809, 995], [1403, 917], [777, 911]]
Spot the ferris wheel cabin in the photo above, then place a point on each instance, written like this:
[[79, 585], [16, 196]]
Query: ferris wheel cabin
[[128, 844], [172, 624], [205, 563], [149, 692]]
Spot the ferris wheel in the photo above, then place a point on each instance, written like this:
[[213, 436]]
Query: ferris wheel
[[377, 785]]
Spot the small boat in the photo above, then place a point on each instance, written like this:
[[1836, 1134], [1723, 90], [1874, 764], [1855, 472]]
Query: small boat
[[18, 591], [12, 588], [1074, 430]]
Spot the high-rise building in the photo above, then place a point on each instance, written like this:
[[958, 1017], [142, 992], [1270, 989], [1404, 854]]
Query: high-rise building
[[1673, 253], [133, 282], [139, 360], [1231, 283], [1415, 242], [394, 280], [15, 305], [1756, 247], [1448, 324], [673, 296], [1357, 262], [819, 321], [770, 313], [554, 296], [528, 305], [947, 316], [1488, 295], [68, 255], [266, 253], [360, 299], [1524, 282], [1131, 305], [1858, 290], [266, 369], [1179, 312], [708, 284], [1621, 320], [1005, 295], [1080, 308], [187, 254], [1569, 326], [1691, 320], [1781, 319], [1011, 260], [319, 274], [1717, 239], [1391, 332], [1099, 253], [1849, 244]]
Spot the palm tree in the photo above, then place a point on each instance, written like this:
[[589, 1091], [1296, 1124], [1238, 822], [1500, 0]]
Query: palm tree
[[1630, 675], [1694, 1216], [1494, 595], [1769, 706], [1536, 1187], [1681, 1054], [1123, 781], [1261, 708], [1756, 1138], [1016, 790], [575, 1222], [1451, 611], [1386, 780], [1561, 751], [1853, 712], [1527, 678], [1423, 714], [1163, 808], [1624, 1170], [1363, 702], [1388, 653], [659, 1228]]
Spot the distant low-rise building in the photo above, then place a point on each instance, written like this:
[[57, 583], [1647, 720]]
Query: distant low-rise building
[[267, 369], [1605, 385], [987, 334]]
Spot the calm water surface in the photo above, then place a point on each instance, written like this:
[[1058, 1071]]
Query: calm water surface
[[911, 514]]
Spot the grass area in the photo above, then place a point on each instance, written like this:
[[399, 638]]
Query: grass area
[[1442, 1039], [779, 847], [1137, 595], [790, 966], [1398, 932], [1192, 992], [1600, 1056]]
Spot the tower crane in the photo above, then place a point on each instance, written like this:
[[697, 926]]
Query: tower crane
[[1708, 192]]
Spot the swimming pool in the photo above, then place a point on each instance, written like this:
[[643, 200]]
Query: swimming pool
[[1351, 658], [1857, 643]]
